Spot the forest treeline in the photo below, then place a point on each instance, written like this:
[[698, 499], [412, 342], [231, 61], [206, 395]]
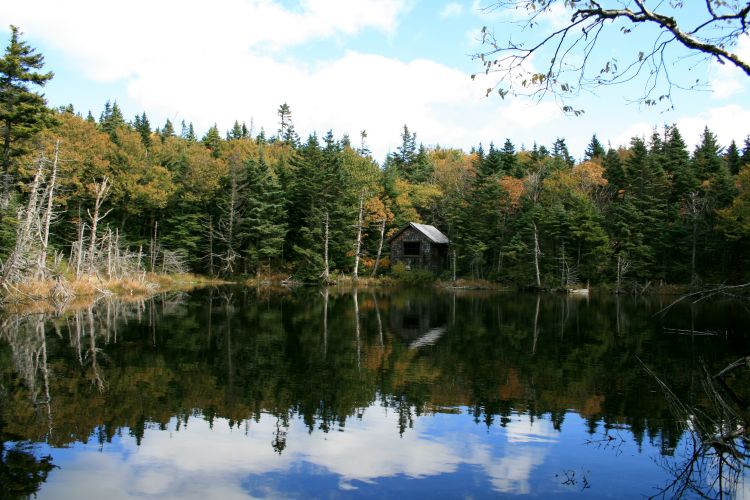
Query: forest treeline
[[90, 194]]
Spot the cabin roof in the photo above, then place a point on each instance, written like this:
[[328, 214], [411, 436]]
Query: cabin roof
[[431, 232]]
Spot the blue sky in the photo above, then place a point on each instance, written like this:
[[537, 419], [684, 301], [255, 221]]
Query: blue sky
[[345, 65]]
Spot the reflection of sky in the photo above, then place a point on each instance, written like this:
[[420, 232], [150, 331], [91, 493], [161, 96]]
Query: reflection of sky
[[444, 453]]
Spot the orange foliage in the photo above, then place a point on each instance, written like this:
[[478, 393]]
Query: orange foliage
[[514, 190]]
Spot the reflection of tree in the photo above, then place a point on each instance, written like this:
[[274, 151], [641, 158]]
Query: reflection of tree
[[715, 453], [21, 472], [297, 356]]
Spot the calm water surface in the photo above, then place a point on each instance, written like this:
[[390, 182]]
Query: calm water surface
[[233, 393]]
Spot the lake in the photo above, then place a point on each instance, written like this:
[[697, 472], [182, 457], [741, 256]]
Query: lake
[[238, 393]]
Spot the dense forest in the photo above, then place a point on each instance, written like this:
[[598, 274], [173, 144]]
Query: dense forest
[[82, 194]]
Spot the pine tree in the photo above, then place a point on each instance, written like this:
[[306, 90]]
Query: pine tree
[[745, 159], [167, 130], [712, 170], [23, 112], [287, 133], [594, 150], [143, 127], [560, 153], [613, 171], [262, 226], [212, 140], [509, 160], [492, 163], [111, 119], [733, 159], [236, 132]]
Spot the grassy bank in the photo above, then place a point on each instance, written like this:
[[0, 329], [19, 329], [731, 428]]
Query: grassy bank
[[88, 287]]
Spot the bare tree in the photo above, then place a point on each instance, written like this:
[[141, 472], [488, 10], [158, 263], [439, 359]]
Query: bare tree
[[380, 247], [18, 261], [358, 244], [48, 216], [533, 184], [710, 32], [101, 191]]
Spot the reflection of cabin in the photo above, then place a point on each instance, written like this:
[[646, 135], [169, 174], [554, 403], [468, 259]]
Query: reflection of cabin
[[418, 322], [420, 246]]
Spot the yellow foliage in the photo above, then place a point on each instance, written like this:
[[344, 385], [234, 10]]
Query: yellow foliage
[[411, 197]]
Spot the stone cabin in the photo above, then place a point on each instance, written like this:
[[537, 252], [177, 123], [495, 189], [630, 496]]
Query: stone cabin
[[420, 246]]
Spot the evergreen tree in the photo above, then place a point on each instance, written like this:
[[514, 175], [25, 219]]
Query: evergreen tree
[[286, 133], [167, 130], [212, 140], [712, 170], [561, 154], [262, 226], [23, 112], [236, 132], [111, 119], [594, 150], [745, 159], [509, 160], [90, 118], [614, 171], [143, 127], [363, 149], [733, 159]]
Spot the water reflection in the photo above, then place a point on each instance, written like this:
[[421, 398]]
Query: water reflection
[[234, 392]]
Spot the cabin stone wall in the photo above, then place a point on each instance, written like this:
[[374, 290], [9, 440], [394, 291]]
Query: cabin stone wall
[[431, 256]]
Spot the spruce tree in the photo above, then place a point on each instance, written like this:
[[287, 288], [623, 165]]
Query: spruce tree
[[594, 150], [733, 159], [143, 127], [262, 226], [212, 140], [23, 112], [111, 119], [167, 130]]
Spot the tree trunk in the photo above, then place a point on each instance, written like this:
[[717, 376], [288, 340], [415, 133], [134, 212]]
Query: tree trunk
[[358, 248], [326, 271], [536, 257], [48, 215], [101, 190], [380, 248], [23, 235], [693, 277]]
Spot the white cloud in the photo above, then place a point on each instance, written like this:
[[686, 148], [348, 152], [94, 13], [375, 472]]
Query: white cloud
[[451, 9], [199, 462], [725, 79], [730, 122], [182, 61], [110, 43]]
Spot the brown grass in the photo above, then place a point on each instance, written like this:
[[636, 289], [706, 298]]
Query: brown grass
[[89, 287]]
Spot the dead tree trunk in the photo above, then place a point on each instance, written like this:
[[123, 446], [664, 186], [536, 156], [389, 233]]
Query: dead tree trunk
[[79, 244], [326, 270], [380, 248], [47, 218], [153, 251], [211, 246], [11, 268], [101, 190], [358, 246], [536, 257]]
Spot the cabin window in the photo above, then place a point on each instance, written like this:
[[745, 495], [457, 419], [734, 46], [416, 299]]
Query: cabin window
[[412, 248]]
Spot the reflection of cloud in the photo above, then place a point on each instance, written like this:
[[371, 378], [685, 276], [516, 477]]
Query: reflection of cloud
[[200, 462], [511, 473]]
